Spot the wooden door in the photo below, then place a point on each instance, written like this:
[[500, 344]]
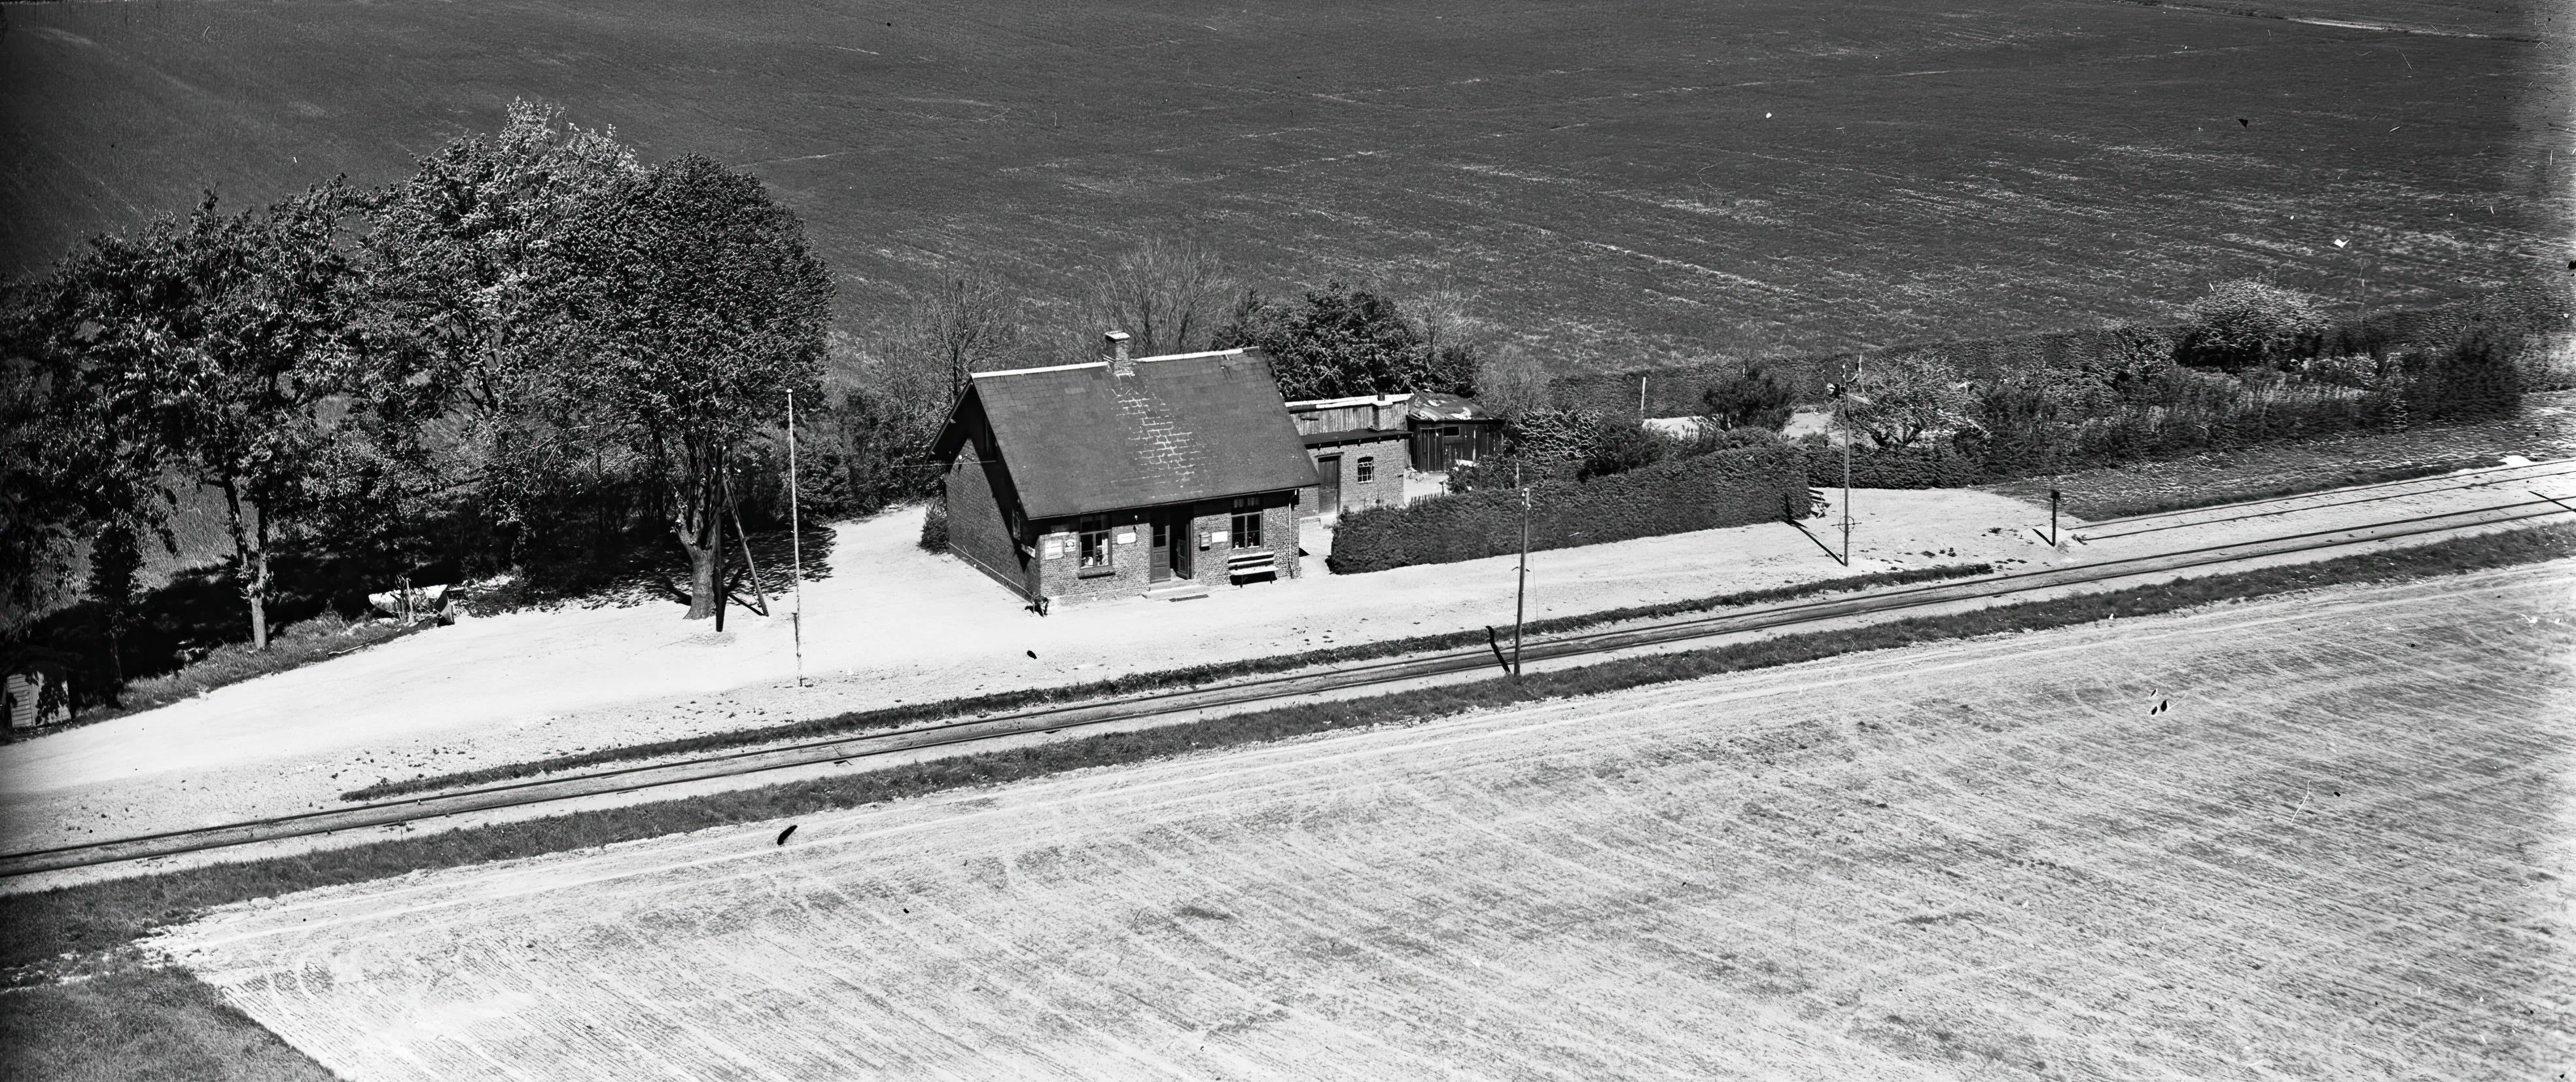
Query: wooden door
[[1160, 566], [1328, 477]]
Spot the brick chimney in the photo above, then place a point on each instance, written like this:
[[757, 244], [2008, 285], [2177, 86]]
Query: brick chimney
[[1113, 349]]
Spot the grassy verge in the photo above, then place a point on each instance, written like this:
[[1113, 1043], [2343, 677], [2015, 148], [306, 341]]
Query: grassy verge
[[236, 662], [140, 1023], [91, 918], [897, 716], [2541, 430], [2357, 475]]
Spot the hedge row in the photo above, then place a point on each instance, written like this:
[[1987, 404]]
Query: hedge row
[[1892, 467], [1724, 488]]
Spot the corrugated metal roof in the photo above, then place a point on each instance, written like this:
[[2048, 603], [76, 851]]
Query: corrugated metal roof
[[1430, 406], [1078, 439]]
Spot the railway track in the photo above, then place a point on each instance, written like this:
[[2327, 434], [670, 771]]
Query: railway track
[[1245, 692]]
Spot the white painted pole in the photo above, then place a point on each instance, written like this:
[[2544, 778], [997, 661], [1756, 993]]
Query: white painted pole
[[1520, 599], [795, 544]]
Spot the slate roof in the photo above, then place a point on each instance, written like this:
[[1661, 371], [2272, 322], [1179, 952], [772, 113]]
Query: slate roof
[[1078, 440]]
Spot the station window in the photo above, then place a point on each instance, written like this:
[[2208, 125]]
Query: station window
[[1368, 469], [1247, 529], [1095, 545]]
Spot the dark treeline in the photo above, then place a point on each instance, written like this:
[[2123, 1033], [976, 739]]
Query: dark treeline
[[536, 363], [534, 352]]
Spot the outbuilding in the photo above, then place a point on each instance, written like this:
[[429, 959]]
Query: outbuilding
[[1125, 477], [1361, 448], [1448, 429]]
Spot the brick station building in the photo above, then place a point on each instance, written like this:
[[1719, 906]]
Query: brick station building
[[1125, 477]]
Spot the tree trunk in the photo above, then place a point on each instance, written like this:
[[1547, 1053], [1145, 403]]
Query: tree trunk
[[250, 550], [702, 572]]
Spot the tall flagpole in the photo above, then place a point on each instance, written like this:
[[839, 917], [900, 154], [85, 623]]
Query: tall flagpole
[[795, 543]]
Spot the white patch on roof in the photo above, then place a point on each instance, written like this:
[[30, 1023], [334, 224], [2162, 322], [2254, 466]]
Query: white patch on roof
[[1049, 368], [1188, 356]]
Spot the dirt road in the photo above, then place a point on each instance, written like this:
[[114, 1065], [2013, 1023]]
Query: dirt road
[[2339, 852]]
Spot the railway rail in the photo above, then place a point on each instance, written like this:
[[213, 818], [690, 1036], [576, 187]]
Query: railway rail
[[1238, 693]]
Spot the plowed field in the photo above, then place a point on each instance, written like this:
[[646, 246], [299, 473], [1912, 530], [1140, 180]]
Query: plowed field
[[1612, 183], [2339, 853]]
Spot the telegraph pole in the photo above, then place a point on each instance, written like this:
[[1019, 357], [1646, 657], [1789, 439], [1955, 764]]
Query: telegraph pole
[[795, 544], [717, 513], [1520, 600]]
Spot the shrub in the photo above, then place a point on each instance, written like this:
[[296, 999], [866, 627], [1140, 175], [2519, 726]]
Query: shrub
[[2246, 322], [1727, 488], [934, 526], [1611, 447], [1748, 397]]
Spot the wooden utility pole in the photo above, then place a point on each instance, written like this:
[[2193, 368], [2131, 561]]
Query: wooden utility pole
[[795, 544], [717, 513]]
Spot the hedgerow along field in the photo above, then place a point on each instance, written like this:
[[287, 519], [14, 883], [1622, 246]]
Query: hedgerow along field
[[2333, 856], [1613, 184]]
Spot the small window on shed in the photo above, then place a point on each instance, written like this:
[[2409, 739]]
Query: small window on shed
[[1247, 529], [1449, 430], [1368, 469]]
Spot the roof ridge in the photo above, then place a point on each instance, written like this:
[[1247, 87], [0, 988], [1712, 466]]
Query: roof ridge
[[1049, 368]]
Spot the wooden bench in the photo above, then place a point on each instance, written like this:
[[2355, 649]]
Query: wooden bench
[[1249, 564]]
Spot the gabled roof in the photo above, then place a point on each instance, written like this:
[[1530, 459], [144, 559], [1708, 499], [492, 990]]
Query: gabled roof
[[1194, 426]]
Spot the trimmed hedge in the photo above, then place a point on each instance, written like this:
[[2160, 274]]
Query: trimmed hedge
[[1724, 488], [1891, 467]]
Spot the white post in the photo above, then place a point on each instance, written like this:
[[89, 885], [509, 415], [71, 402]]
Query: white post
[[1520, 598], [795, 544]]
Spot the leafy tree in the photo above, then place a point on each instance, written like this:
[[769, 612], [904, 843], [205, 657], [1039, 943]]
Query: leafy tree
[[2247, 322], [1748, 397], [1895, 400], [1338, 341], [1167, 294], [76, 448], [213, 344], [684, 303], [454, 264]]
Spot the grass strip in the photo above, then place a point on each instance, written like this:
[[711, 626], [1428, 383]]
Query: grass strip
[[2213, 495], [141, 1022], [898, 716], [93, 917], [233, 663]]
